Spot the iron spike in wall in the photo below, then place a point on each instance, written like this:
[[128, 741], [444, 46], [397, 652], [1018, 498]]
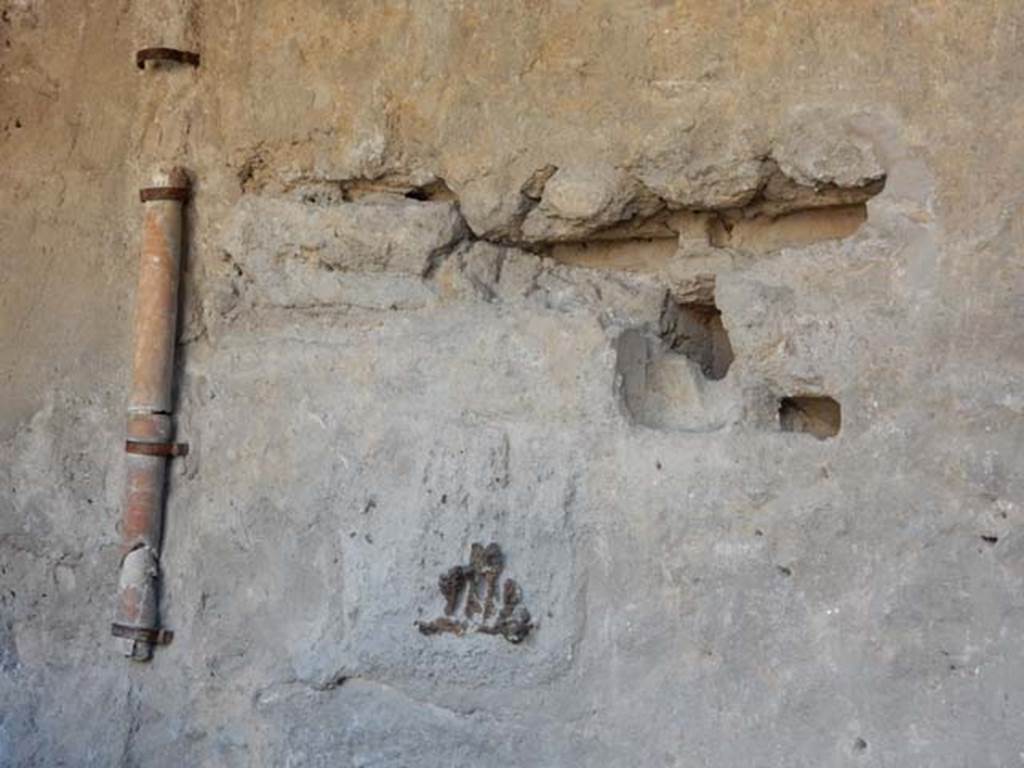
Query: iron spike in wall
[[150, 428]]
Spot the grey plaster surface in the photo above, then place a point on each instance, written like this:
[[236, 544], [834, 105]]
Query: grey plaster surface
[[437, 257]]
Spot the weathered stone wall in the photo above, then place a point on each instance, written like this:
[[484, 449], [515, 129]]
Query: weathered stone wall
[[707, 313]]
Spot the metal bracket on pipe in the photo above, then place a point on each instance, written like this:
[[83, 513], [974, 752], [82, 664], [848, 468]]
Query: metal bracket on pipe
[[165, 54], [156, 449], [163, 193], [142, 634]]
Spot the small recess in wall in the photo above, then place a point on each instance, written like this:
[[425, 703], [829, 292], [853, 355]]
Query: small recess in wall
[[816, 415], [696, 330]]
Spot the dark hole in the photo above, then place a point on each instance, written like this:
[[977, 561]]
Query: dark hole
[[696, 330], [436, 190], [859, 745], [990, 539], [818, 416]]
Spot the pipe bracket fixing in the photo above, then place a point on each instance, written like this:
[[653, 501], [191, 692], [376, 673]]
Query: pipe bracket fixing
[[156, 449], [148, 194], [142, 634]]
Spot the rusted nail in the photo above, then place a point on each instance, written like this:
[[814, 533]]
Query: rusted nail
[[165, 54]]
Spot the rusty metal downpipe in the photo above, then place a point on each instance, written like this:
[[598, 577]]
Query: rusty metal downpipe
[[150, 429]]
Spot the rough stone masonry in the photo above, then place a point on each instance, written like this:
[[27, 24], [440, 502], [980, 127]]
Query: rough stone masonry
[[698, 323]]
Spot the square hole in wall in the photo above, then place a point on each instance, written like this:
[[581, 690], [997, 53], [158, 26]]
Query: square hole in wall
[[816, 415]]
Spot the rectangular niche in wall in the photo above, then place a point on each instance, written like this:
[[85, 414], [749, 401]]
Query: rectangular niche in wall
[[816, 415]]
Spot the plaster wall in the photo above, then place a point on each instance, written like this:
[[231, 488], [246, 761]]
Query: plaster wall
[[707, 313]]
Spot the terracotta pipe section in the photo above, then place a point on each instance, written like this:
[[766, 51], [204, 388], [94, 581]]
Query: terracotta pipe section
[[150, 429]]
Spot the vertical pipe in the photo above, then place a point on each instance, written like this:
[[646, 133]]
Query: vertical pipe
[[149, 428]]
